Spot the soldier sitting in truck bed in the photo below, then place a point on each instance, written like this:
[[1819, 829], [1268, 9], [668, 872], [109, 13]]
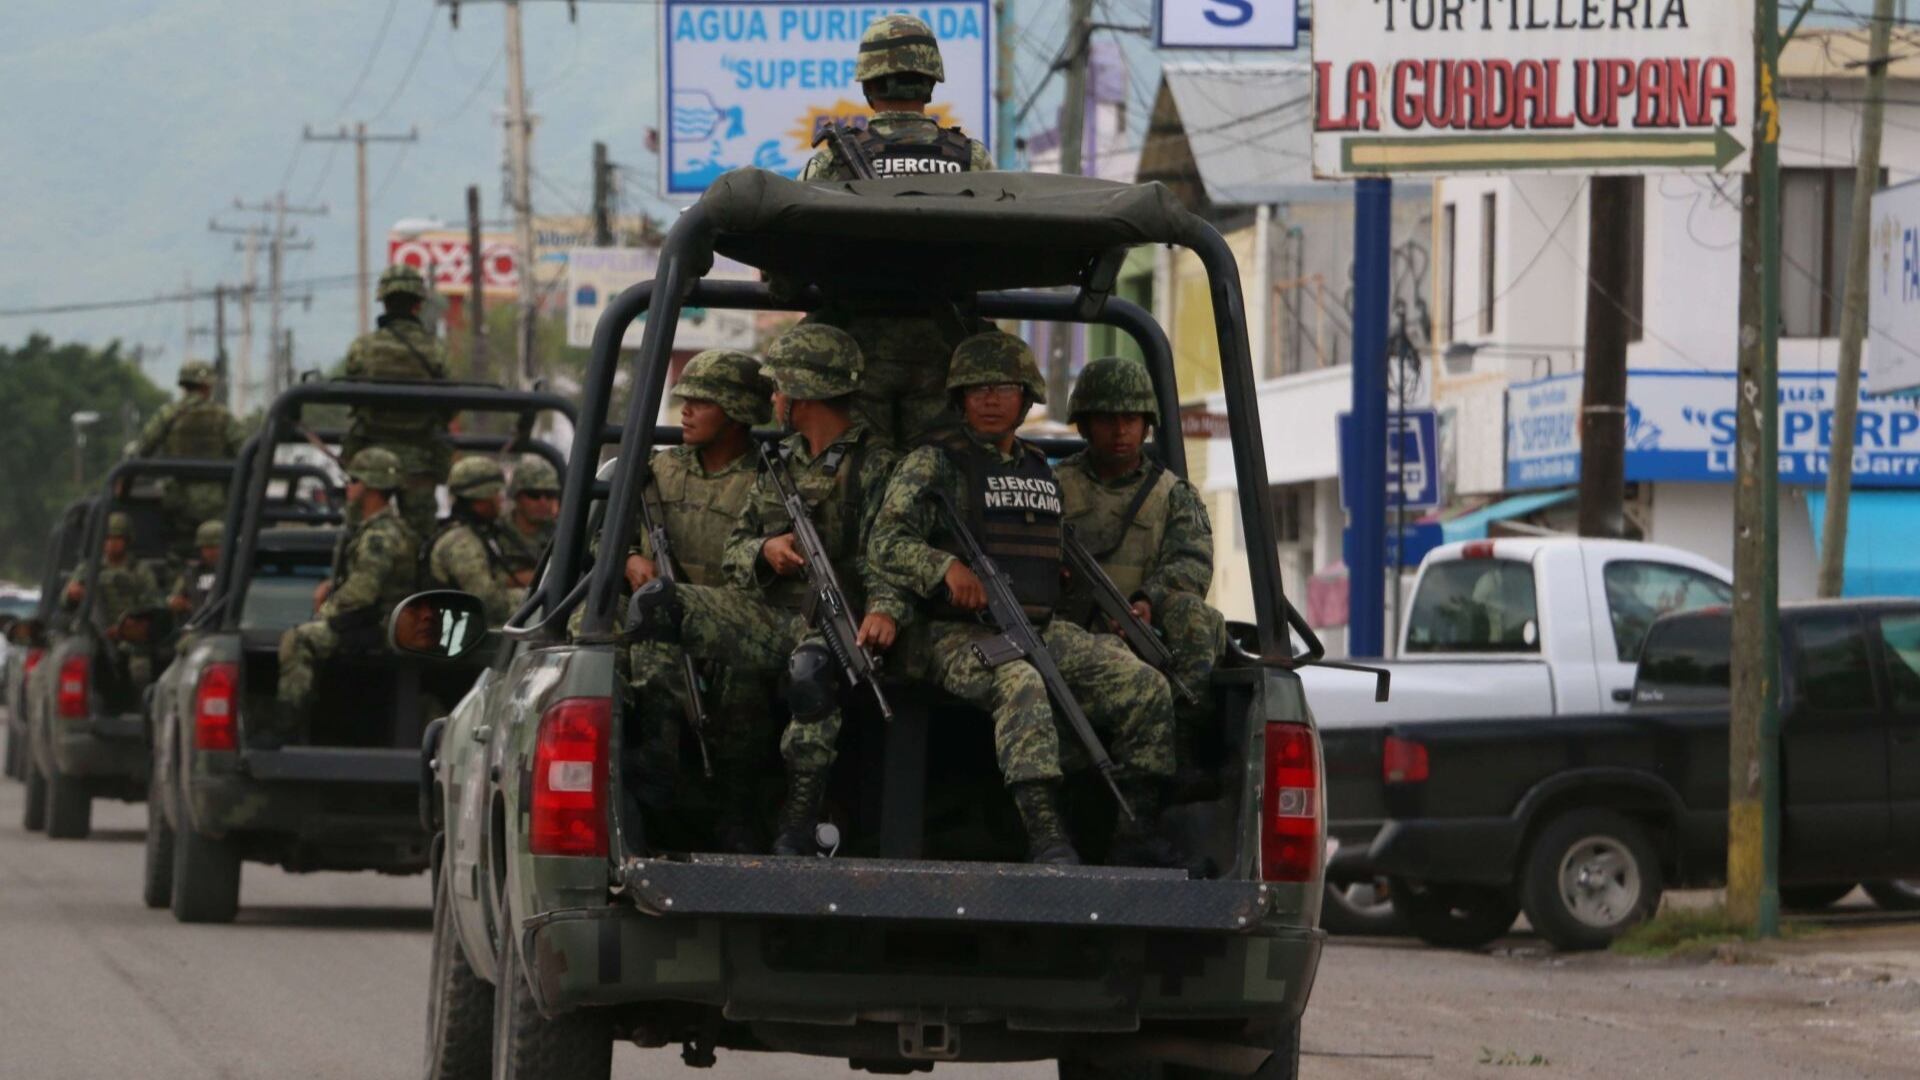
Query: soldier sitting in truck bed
[[125, 592]]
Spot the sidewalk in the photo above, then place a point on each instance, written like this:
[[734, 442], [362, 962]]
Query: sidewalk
[[1882, 950]]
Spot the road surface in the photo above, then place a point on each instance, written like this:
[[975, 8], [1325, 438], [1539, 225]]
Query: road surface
[[322, 976]]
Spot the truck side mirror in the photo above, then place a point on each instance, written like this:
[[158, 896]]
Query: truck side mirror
[[443, 623]]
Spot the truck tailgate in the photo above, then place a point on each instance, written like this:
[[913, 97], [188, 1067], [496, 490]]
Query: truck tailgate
[[326, 764]]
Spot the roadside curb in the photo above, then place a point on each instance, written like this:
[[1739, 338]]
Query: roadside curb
[[1873, 955]]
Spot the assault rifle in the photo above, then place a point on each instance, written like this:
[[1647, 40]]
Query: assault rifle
[[663, 566], [826, 608], [1106, 596], [1018, 640], [844, 148]]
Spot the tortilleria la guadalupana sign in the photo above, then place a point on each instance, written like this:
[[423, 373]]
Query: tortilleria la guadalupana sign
[[1437, 87]]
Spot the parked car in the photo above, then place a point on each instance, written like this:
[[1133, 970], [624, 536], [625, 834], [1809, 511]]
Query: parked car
[[558, 926], [1515, 627], [1583, 821]]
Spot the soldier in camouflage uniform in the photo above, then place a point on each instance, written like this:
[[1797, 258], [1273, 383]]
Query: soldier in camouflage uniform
[[196, 426], [1146, 526], [698, 494], [470, 551], [903, 389], [195, 582], [402, 349], [841, 471], [125, 593], [374, 568], [1011, 498], [534, 498]]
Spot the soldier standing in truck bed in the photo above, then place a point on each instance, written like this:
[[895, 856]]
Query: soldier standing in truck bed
[[403, 349], [195, 426]]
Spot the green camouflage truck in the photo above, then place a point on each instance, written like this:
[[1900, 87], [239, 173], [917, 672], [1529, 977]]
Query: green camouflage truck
[[345, 798], [559, 930], [30, 637]]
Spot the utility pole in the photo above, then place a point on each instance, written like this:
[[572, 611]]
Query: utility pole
[[218, 332], [520, 193], [1753, 761], [602, 197], [1073, 123], [1005, 157], [1853, 313], [279, 242], [186, 327], [1366, 454], [243, 376], [359, 138], [1603, 404], [476, 312]]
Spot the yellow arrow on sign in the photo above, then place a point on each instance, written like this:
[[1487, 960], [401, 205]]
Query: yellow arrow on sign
[[1473, 153]]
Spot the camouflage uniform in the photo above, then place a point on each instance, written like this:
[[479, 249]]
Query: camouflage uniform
[[195, 581], [910, 548], [402, 349], [902, 392], [524, 541], [469, 552], [1148, 528], [119, 590], [375, 565], [195, 426]]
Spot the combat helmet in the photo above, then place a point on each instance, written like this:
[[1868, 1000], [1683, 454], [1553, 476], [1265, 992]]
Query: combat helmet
[[533, 473], [196, 373], [897, 45], [119, 524], [996, 357], [477, 477], [211, 533], [1113, 384], [731, 380], [401, 280], [813, 362], [377, 468]]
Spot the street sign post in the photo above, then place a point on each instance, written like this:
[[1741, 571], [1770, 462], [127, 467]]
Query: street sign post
[[1413, 463], [1412, 87]]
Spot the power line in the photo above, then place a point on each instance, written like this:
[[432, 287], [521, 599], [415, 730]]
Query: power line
[[413, 63], [379, 40], [328, 281]]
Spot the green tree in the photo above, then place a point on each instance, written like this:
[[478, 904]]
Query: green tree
[[41, 386]]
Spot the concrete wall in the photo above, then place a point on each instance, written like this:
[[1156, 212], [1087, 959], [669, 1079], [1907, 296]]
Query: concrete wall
[[1699, 518]]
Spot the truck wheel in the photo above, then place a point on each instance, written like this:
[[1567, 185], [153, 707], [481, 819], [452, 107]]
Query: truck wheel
[[459, 1003], [69, 808], [1590, 875], [156, 880], [1363, 908], [1813, 897], [206, 878], [33, 816], [1901, 895], [527, 1046], [1453, 916]]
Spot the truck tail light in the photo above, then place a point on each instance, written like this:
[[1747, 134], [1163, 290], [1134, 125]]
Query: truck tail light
[[1291, 828], [34, 656], [1478, 549], [70, 701], [568, 815], [1403, 761], [215, 707]]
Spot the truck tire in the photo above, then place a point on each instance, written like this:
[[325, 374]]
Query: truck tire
[[1454, 916], [1590, 875], [459, 1003], [156, 879], [527, 1046], [1901, 895], [1361, 908], [206, 878], [1812, 897], [33, 815], [69, 808]]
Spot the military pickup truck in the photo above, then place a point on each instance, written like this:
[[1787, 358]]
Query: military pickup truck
[[346, 799], [558, 929], [1582, 821], [30, 636]]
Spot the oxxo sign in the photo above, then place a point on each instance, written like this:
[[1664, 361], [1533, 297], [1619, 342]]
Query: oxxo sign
[[1583, 86]]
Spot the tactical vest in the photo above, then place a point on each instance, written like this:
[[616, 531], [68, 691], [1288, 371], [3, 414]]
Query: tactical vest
[[197, 429], [830, 487], [950, 152], [699, 511], [489, 535], [521, 551], [1014, 510], [401, 349], [1121, 528]]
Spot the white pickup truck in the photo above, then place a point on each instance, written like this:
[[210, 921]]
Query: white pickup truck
[[1520, 627]]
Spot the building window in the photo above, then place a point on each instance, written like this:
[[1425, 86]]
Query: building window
[[1815, 208], [1449, 247], [1292, 513], [1487, 284]]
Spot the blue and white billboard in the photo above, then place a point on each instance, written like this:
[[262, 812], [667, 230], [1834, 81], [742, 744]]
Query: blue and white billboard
[[1681, 425], [750, 82], [1893, 289]]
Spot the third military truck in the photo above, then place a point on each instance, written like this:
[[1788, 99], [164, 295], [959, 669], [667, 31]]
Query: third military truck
[[923, 938]]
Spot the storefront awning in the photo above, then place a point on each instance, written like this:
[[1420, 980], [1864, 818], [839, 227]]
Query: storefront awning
[[1473, 525], [1881, 557]]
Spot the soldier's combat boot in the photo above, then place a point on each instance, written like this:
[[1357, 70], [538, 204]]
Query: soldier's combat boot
[[1047, 842], [1139, 841], [800, 813], [655, 612]]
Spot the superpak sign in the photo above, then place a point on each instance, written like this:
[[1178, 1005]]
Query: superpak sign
[[1569, 86]]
